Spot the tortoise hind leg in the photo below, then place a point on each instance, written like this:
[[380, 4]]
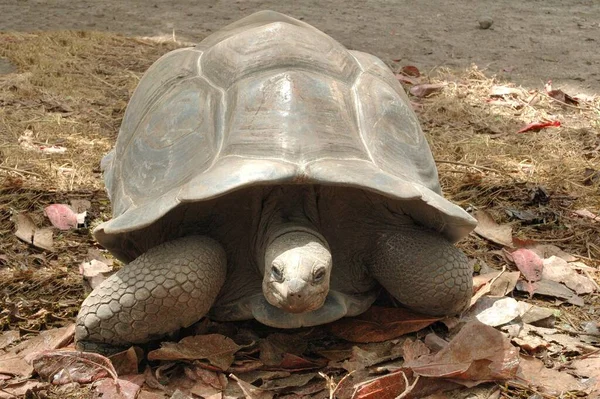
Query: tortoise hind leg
[[422, 270], [169, 287]]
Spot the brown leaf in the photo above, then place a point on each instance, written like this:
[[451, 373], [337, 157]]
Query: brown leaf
[[562, 97], [489, 229], [533, 373], [295, 362], [61, 216], [126, 362], [251, 391], [587, 214], [557, 269], [380, 324], [412, 350], [274, 346], [392, 385], [7, 338], [17, 360], [115, 389], [426, 89], [407, 79], [529, 263], [589, 367], [478, 353], [215, 348], [66, 366], [19, 389]]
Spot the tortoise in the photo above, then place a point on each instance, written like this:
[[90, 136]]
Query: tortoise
[[269, 173]]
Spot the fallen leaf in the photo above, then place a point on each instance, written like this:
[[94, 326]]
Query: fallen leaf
[[80, 205], [588, 367], [412, 350], [501, 91], [411, 70], [66, 366], [562, 97], [293, 381], [533, 373], [115, 389], [489, 229], [532, 314], [275, 346], [546, 288], [215, 348], [42, 238], [8, 337], [495, 311], [426, 89], [251, 391], [380, 324], [529, 263], [20, 388], [478, 353], [61, 216], [587, 214], [17, 360], [125, 362], [547, 250], [407, 79], [557, 269], [537, 126], [392, 385]]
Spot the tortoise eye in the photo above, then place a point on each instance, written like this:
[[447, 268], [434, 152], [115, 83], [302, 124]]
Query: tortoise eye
[[319, 275], [277, 273]]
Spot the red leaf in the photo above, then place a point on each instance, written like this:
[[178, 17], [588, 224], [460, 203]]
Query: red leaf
[[529, 263], [411, 70], [392, 385], [537, 126], [61, 216], [563, 97], [380, 324]]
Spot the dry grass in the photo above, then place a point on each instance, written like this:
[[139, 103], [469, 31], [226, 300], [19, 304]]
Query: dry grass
[[72, 88]]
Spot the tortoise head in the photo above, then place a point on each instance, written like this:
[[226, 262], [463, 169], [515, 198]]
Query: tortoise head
[[297, 271]]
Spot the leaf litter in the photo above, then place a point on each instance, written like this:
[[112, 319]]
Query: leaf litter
[[44, 287]]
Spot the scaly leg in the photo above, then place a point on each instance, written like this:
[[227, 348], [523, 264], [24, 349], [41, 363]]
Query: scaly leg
[[422, 270], [169, 287]]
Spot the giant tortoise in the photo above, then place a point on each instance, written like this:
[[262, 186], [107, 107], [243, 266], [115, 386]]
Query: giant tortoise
[[270, 173]]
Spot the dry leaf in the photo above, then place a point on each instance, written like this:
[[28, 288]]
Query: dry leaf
[[412, 350], [66, 366], [495, 311], [215, 348], [17, 360], [587, 214], [529, 263], [426, 89], [126, 362], [489, 229], [411, 70], [392, 385], [537, 126], [380, 324], [533, 373], [501, 91], [8, 337], [251, 391], [115, 389], [61, 216], [557, 269], [478, 353], [275, 346]]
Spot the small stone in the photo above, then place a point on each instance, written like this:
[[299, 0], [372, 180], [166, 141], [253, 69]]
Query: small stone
[[485, 23]]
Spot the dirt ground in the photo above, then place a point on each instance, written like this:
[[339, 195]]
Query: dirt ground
[[529, 42]]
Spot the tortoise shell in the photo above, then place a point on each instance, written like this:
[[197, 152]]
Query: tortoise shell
[[269, 100]]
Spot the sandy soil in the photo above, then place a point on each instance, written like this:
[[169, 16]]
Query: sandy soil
[[529, 42]]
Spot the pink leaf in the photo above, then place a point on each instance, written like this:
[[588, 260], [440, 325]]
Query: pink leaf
[[411, 70], [426, 89], [61, 216], [529, 263]]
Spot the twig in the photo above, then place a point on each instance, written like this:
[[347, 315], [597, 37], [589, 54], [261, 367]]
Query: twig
[[588, 275], [477, 167], [8, 168], [409, 387]]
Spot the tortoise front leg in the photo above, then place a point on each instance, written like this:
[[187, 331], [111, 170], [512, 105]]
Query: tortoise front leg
[[169, 287], [422, 270]]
